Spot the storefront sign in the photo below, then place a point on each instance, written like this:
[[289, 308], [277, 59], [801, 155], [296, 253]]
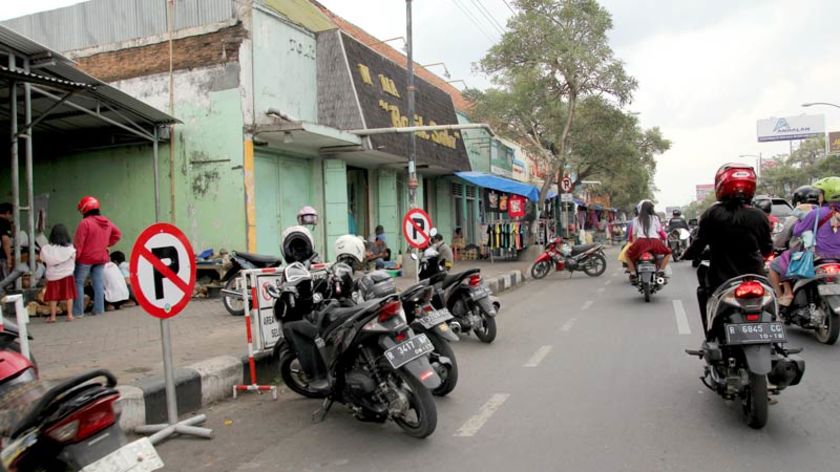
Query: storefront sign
[[380, 86], [834, 142]]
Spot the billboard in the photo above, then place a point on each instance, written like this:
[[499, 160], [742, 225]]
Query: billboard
[[834, 142], [701, 190], [788, 128]]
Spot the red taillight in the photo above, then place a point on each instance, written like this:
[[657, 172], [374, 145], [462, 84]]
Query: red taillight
[[828, 269], [426, 375], [646, 257], [749, 289], [389, 311], [753, 317], [475, 280], [86, 422], [400, 337]]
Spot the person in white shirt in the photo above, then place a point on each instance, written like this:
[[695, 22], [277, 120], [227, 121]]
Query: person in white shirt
[[60, 258]]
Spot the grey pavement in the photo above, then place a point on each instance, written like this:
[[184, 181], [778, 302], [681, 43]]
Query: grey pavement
[[584, 376], [127, 341]]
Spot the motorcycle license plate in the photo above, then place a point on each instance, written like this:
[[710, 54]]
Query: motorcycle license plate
[[138, 456], [433, 318], [755, 333], [647, 268], [828, 289], [407, 351], [479, 293]]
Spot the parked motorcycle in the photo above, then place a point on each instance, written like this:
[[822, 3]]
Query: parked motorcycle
[[71, 426], [375, 363], [678, 242], [816, 302], [232, 290], [745, 347], [589, 258], [464, 294], [648, 280]]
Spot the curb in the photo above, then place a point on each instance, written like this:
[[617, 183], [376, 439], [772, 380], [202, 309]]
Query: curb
[[211, 380]]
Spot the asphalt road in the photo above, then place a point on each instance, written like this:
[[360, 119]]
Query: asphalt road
[[584, 376]]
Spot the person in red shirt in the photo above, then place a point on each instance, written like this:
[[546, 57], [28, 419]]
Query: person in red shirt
[[94, 235]]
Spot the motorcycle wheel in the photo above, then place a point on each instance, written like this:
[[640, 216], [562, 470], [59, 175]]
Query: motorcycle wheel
[[292, 375], [756, 402], [646, 291], [234, 306], [449, 376], [830, 330], [485, 333], [420, 402], [540, 270], [595, 266]]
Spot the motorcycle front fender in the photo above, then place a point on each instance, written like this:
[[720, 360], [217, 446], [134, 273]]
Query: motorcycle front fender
[[757, 357], [486, 305], [544, 257], [443, 331]]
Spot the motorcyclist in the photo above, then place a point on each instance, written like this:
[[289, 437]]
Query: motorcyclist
[[737, 234], [648, 236], [805, 198], [677, 221], [826, 237]]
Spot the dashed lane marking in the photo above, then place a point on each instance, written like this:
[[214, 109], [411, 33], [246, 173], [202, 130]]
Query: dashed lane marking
[[607, 282], [471, 427], [682, 320], [567, 326], [586, 305], [538, 356]]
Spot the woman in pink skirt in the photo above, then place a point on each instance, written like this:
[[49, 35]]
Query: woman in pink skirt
[[60, 258]]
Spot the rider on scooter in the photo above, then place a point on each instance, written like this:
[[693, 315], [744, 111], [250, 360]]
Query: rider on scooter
[[648, 236], [737, 234], [677, 221]]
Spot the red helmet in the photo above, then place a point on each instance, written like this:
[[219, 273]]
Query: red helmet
[[87, 204], [735, 180]]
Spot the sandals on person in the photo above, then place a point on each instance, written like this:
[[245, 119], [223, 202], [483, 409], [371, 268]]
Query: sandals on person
[[785, 300], [51, 320]]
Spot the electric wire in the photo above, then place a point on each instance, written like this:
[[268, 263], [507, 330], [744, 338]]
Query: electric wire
[[509, 7], [474, 20], [489, 16]]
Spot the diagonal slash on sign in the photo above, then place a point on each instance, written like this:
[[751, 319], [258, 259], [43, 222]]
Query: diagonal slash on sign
[[419, 230], [164, 270]]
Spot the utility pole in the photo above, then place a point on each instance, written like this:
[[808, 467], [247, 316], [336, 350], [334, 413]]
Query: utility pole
[[412, 137]]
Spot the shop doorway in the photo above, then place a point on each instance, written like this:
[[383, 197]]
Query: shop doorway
[[358, 202]]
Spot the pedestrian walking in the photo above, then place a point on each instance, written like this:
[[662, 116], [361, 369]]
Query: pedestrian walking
[[94, 235], [60, 258]]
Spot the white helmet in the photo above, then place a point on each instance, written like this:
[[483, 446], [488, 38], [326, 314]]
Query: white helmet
[[350, 247], [307, 216], [298, 244]]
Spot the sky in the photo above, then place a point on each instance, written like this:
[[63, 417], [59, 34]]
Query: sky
[[707, 69]]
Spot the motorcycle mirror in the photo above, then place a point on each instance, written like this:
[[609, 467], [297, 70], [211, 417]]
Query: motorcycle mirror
[[413, 256]]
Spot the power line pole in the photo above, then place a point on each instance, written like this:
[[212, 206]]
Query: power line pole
[[412, 137]]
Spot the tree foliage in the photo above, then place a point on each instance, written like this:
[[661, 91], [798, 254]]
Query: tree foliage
[[554, 54], [803, 166]]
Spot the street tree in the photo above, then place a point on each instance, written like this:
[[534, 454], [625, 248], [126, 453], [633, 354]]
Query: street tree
[[553, 54]]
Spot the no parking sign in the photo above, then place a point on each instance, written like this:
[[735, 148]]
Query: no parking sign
[[416, 227], [162, 270]]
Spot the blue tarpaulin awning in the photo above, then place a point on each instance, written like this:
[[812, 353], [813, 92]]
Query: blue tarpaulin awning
[[501, 184]]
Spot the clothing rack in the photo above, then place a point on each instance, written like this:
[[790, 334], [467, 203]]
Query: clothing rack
[[503, 239]]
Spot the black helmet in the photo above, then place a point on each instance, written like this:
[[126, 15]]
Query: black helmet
[[676, 213], [806, 194], [764, 204]]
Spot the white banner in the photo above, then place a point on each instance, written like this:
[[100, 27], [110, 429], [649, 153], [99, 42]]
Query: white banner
[[790, 127]]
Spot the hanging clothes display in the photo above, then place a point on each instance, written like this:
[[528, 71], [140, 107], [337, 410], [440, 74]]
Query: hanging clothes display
[[516, 206]]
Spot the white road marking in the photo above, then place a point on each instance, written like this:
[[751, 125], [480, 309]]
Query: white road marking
[[538, 356], [487, 410], [586, 305], [682, 320], [607, 282], [567, 326]]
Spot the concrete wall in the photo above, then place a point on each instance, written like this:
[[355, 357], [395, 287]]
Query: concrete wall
[[284, 68]]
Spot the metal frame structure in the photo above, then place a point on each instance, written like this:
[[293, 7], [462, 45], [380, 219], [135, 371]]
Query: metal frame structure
[[66, 95]]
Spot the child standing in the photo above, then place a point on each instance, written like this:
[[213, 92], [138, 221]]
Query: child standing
[[60, 257]]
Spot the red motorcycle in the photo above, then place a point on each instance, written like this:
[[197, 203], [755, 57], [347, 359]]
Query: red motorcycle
[[589, 258]]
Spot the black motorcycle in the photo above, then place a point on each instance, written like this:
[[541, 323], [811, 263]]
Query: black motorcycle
[[464, 294], [678, 241], [745, 347], [232, 290], [71, 426], [816, 302], [375, 363], [648, 280]]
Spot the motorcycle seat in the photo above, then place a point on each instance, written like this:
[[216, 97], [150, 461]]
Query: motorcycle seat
[[334, 314], [581, 248], [260, 260], [826, 260], [452, 279], [412, 291]]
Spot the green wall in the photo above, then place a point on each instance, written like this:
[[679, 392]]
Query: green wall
[[335, 202], [387, 209]]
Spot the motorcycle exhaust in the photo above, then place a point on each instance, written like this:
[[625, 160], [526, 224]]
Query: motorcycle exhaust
[[660, 281], [455, 326], [786, 372]]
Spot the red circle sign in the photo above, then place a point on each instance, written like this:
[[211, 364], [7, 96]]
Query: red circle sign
[[566, 184], [416, 225], [162, 270]]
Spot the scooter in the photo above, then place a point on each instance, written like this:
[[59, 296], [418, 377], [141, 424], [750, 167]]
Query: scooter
[[232, 290], [816, 302], [589, 258], [678, 242]]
